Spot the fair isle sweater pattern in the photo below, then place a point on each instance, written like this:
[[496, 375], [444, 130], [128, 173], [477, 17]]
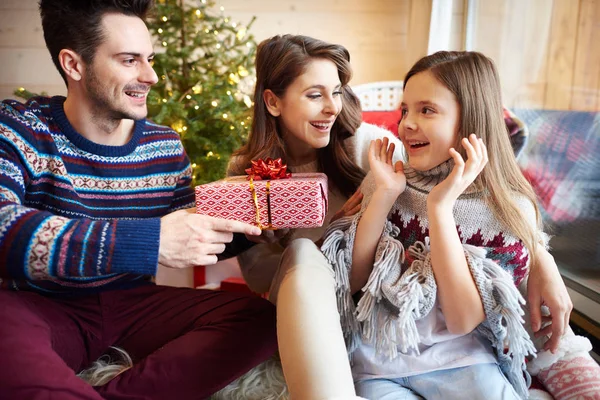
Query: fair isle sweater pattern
[[78, 215], [402, 288]]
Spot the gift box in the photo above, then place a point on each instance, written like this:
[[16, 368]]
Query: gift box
[[296, 200]]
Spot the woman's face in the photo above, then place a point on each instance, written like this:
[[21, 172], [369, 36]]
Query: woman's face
[[430, 121], [308, 109]]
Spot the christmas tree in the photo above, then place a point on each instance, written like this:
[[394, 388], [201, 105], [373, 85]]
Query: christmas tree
[[205, 67]]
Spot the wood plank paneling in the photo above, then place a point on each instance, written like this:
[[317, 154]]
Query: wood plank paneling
[[586, 71], [563, 41], [21, 29], [533, 60], [31, 66], [6, 91], [374, 32], [418, 31]]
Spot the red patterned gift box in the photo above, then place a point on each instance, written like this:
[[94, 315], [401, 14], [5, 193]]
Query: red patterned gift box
[[299, 201]]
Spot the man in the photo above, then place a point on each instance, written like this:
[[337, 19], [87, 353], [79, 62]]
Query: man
[[93, 198]]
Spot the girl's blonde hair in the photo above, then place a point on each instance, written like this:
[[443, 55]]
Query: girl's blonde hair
[[279, 61], [474, 81]]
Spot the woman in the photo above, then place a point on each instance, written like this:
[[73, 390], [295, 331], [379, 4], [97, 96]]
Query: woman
[[306, 113]]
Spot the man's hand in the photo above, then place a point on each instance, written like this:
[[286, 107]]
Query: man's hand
[[188, 239], [546, 287]]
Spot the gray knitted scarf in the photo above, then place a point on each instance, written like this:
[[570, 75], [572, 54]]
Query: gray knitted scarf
[[393, 300]]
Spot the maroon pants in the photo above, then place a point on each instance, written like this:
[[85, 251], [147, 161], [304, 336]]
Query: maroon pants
[[185, 343]]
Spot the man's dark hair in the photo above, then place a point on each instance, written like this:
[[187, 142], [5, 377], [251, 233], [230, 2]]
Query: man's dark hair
[[76, 24]]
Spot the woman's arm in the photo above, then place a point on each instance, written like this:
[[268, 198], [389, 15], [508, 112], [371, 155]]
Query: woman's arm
[[390, 182], [458, 294]]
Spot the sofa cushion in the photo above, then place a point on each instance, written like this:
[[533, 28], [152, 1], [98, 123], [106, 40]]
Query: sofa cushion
[[386, 119]]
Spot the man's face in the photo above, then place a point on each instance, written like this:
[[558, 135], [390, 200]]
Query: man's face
[[118, 79]]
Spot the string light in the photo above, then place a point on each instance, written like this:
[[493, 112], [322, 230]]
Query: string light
[[196, 107], [218, 46], [247, 101], [160, 30], [234, 78], [188, 97], [163, 77], [164, 100], [210, 154], [248, 44], [233, 24], [241, 33], [198, 13], [214, 103], [197, 89], [164, 18], [229, 93], [242, 71], [179, 126], [224, 116], [231, 127], [242, 123], [164, 44], [216, 32]]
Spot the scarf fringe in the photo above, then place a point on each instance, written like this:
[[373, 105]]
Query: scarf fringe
[[504, 317], [340, 257]]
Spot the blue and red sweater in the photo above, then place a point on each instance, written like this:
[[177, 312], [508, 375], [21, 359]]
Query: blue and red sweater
[[78, 216]]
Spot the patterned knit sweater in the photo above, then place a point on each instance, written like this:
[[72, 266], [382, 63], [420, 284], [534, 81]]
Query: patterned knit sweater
[[76, 215], [401, 288]]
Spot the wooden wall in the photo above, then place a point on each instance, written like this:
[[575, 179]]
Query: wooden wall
[[384, 37], [547, 51]]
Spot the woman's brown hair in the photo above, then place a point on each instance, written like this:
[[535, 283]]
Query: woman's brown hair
[[279, 61], [474, 81]]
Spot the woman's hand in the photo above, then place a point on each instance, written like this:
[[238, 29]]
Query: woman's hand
[[268, 236], [463, 174], [546, 287], [388, 177], [350, 207]]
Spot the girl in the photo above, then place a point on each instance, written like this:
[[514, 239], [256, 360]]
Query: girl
[[306, 113], [439, 245]]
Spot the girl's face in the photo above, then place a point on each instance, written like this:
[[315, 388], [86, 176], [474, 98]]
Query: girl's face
[[308, 108], [430, 121]]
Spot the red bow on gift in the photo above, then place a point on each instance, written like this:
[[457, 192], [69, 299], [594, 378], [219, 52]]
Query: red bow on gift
[[268, 169]]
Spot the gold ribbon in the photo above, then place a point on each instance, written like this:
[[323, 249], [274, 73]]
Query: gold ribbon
[[257, 206]]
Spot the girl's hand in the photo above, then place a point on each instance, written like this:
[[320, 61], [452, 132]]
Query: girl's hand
[[389, 178], [463, 174]]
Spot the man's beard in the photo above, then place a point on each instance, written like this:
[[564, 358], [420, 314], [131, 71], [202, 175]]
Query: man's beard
[[103, 103]]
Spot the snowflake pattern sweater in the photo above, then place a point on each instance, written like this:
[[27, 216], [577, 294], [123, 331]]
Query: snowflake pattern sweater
[[402, 289], [76, 215]]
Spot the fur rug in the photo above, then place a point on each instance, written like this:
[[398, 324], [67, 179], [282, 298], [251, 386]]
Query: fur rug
[[263, 382]]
